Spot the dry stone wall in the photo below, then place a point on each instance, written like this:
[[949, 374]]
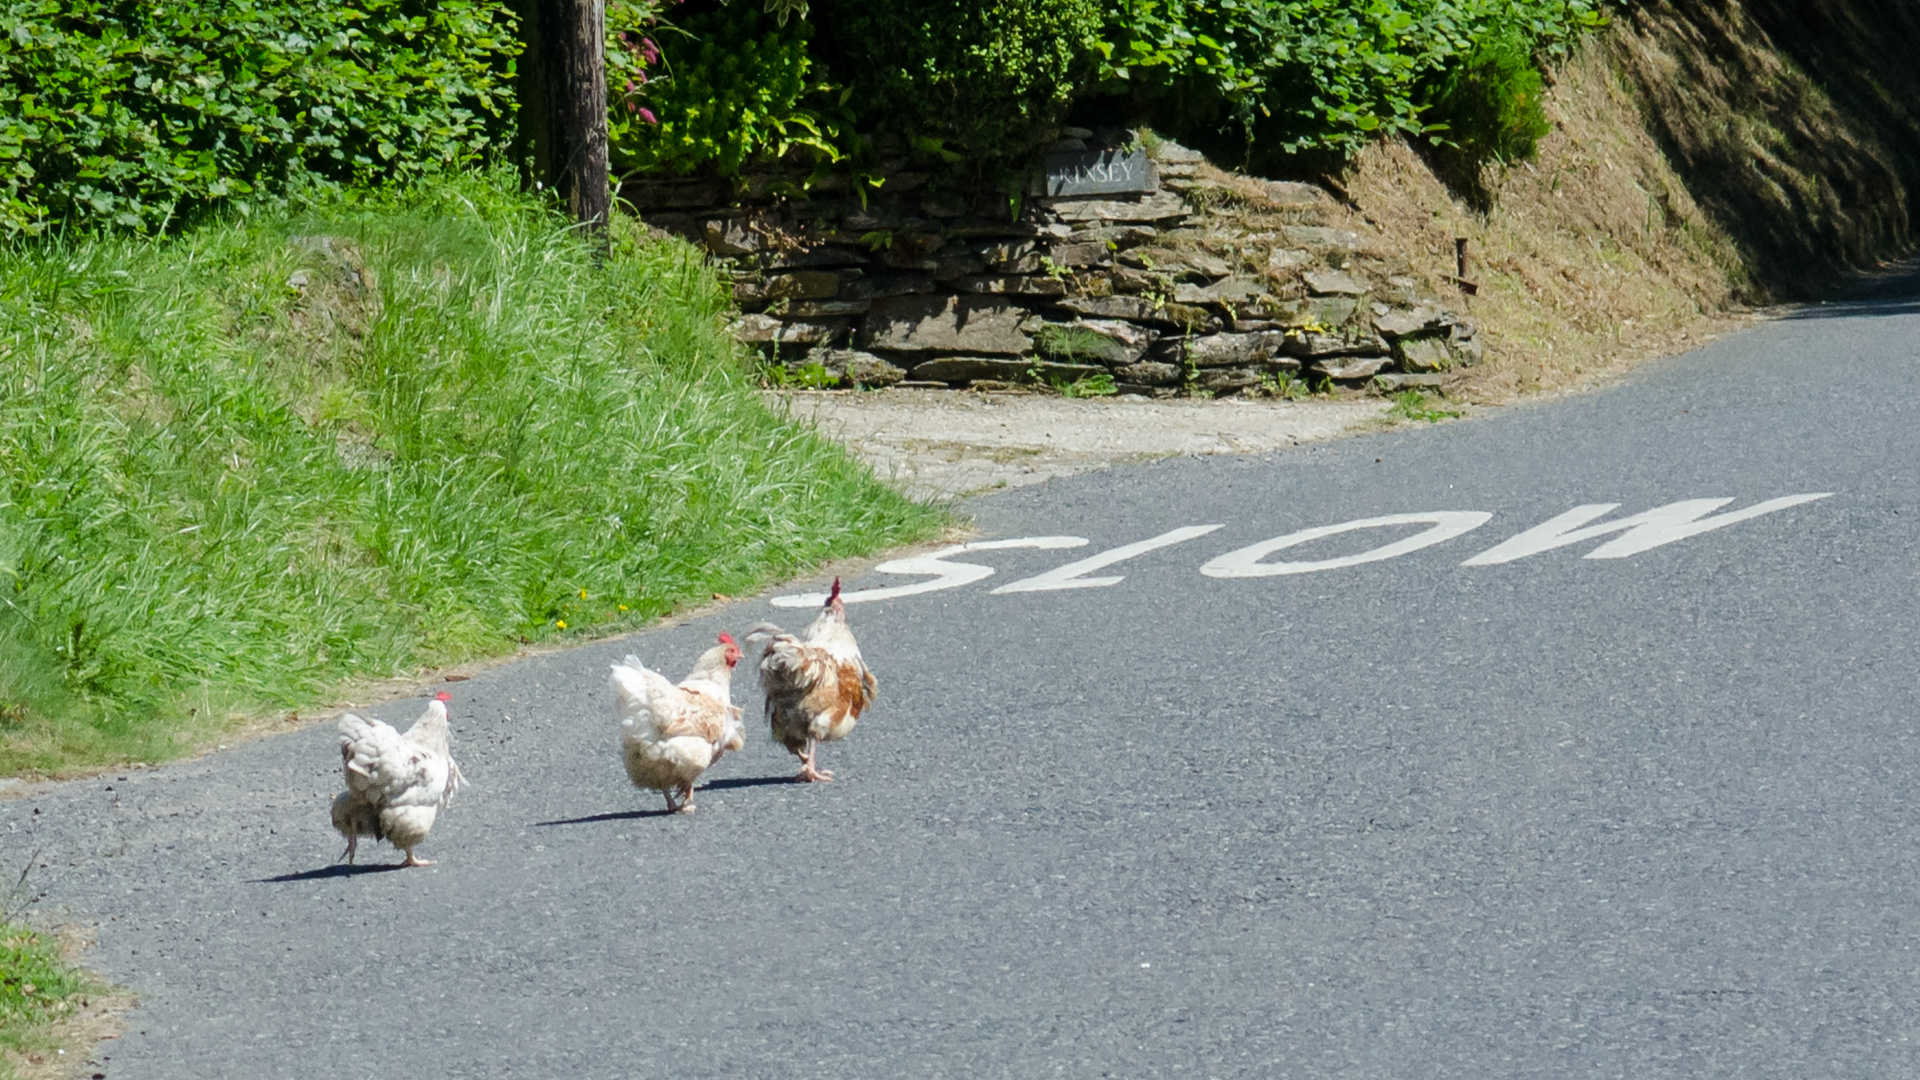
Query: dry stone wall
[[1146, 266]]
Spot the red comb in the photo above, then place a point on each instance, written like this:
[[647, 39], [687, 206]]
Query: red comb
[[443, 696], [726, 638], [835, 595]]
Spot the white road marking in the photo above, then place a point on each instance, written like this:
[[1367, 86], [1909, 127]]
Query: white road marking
[[1245, 562], [1644, 531], [1068, 576], [947, 575]]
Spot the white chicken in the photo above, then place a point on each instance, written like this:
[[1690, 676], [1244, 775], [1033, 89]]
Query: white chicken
[[817, 687], [396, 784], [670, 734]]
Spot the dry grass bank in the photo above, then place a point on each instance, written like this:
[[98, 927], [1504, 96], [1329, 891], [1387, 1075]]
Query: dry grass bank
[[1696, 173]]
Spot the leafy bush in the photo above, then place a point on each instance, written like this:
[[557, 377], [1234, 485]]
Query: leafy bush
[[723, 87], [139, 113], [986, 77], [1490, 106], [1287, 76]]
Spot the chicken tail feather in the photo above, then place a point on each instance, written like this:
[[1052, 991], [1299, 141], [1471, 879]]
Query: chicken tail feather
[[763, 632]]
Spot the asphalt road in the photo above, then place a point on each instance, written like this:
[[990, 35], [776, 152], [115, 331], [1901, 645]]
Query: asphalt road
[[1647, 816]]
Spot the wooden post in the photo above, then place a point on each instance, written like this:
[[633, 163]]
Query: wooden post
[[563, 103]]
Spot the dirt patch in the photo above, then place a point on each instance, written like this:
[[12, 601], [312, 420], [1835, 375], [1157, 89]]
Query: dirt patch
[[943, 444]]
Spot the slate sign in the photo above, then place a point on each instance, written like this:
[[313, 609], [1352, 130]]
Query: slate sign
[[1100, 172]]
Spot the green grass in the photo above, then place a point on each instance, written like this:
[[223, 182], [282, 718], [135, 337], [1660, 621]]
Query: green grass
[[1090, 386], [1415, 405], [38, 988], [256, 462]]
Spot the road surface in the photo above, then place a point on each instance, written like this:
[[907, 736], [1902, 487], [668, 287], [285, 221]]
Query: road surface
[[1513, 787]]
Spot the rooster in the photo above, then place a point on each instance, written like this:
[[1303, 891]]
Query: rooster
[[816, 688], [671, 734], [396, 784]]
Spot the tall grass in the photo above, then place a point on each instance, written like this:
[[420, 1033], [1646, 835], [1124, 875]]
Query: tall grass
[[247, 464]]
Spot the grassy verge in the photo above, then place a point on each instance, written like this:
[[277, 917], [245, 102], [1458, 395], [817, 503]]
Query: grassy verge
[[252, 463], [44, 1000]]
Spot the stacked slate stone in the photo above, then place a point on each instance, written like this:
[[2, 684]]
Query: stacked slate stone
[[1143, 266]]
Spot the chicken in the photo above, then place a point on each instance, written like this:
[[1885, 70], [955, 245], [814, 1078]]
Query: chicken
[[671, 734], [396, 784], [816, 688]]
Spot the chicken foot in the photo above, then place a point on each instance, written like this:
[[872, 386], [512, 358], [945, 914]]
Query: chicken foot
[[353, 841], [415, 860], [809, 773]]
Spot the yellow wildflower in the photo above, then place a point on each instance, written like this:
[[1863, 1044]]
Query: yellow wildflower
[[561, 623]]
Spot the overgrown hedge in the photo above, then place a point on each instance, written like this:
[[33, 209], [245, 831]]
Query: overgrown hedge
[[136, 113], [740, 86], [982, 77], [1260, 80], [139, 114], [1284, 77]]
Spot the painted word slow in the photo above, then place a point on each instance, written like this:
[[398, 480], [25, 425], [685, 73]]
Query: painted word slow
[[1625, 536]]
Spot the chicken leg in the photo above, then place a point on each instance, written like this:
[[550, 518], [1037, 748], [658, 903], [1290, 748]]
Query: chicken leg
[[353, 841], [809, 773], [415, 860]]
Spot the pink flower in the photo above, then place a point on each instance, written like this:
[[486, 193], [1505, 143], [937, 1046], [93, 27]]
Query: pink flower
[[647, 115], [649, 52]]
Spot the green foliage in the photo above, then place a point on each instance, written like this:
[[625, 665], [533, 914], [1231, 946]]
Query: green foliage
[[1100, 385], [986, 78], [37, 988], [1417, 405], [138, 114], [1073, 344], [810, 375], [1286, 386], [1287, 76], [241, 466], [730, 86], [633, 60], [1489, 108]]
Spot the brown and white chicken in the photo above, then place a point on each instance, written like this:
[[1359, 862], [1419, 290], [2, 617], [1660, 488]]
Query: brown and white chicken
[[396, 784], [816, 686], [670, 734]]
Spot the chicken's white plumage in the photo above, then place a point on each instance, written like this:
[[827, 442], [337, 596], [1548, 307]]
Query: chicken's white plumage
[[670, 733], [397, 783]]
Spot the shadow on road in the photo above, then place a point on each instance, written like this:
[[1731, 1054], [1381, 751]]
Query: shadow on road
[[1850, 309], [1892, 291], [630, 815], [337, 870], [747, 781], [624, 815]]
